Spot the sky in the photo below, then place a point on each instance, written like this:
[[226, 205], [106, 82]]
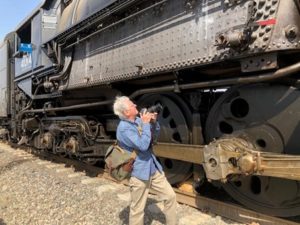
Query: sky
[[12, 13]]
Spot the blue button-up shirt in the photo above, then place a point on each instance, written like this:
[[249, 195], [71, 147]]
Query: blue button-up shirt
[[129, 137]]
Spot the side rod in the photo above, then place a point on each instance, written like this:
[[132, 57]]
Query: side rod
[[232, 156]]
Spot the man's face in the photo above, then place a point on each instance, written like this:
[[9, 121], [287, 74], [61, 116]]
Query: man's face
[[131, 111]]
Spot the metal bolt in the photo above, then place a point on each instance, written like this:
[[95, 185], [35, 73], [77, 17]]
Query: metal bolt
[[291, 31]]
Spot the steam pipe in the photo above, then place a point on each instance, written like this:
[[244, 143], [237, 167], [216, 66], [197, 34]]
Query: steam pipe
[[68, 63], [286, 71]]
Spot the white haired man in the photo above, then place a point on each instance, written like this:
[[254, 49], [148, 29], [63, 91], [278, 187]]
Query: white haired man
[[134, 133]]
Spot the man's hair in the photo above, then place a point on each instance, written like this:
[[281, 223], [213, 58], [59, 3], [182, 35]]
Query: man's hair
[[120, 106]]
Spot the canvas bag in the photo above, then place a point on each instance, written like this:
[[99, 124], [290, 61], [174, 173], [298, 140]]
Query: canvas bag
[[119, 162]]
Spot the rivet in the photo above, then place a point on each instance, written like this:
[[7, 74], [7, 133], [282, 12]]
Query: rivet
[[268, 28], [259, 14], [266, 38], [266, 15]]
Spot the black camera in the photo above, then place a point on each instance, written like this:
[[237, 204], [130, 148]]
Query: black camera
[[152, 109]]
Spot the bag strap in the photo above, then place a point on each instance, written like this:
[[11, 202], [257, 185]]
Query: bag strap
[[133, 154], [140, 129]]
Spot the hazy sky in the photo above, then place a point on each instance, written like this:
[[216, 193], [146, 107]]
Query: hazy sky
[[12, 13]]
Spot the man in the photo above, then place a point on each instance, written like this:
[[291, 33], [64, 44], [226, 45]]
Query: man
[[134, 133]]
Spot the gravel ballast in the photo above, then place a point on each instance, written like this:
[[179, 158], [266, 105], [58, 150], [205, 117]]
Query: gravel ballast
[[36, 191]]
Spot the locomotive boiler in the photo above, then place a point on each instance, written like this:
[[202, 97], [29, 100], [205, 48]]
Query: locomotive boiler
[[226, 73]]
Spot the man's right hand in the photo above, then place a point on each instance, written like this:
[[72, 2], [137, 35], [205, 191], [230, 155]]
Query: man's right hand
[[146, 117]]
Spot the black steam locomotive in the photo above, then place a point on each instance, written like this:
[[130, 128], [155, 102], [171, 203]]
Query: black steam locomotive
[[226, 73]]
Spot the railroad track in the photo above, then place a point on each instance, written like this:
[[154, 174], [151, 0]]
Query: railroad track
[[229, 210]]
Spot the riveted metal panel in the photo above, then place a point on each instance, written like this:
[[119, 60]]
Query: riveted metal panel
[[266, 14], [176, 37], [287, 21]]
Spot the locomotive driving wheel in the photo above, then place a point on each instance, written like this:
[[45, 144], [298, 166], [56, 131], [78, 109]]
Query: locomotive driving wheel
[[268, 115], [174, 124]]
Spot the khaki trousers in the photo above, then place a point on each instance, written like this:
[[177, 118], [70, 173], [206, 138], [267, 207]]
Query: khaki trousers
[[139, 190]]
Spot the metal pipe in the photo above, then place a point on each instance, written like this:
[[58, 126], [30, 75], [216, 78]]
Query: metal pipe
[[107, 102], [68, 63], [245, 80], [40, 70]]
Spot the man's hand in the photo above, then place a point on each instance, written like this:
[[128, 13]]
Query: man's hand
[[146, 117]]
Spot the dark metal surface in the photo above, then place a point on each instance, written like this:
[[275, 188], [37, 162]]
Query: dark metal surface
[[268, 116], [79, 10]]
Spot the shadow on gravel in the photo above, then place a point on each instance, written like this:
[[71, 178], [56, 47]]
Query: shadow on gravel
[[124, 215], [149, 216], [10, 165], [2, 222]]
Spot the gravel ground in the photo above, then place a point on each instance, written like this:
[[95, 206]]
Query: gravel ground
[[34, 191]]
